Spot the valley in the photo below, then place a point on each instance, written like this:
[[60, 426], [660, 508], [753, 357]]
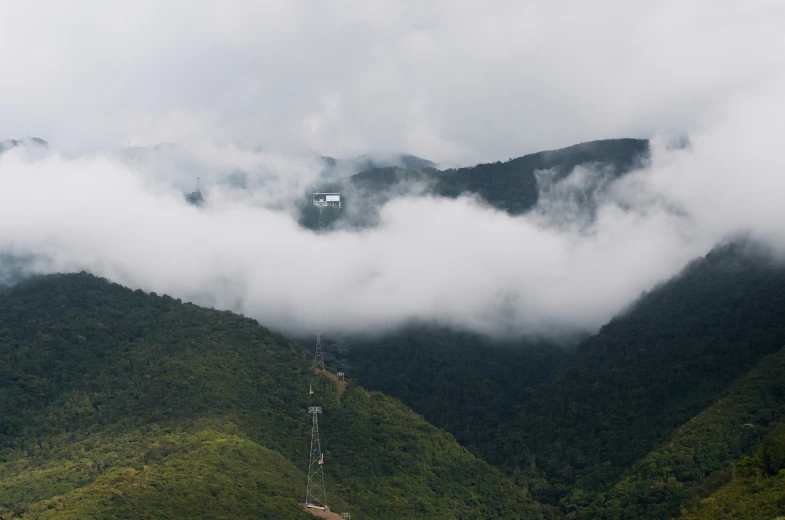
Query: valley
[[122, 403]]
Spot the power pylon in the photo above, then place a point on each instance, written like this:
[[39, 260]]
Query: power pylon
[[318, 357], [315, 494]]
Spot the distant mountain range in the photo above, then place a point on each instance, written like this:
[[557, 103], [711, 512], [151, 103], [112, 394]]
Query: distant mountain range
[[27, 141], [512, 186]]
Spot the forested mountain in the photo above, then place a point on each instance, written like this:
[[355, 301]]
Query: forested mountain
[[693, 464], [511, 186], [568, 426], [121, 404]]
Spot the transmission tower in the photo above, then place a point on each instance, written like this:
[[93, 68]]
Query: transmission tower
[[318, 358], [315, 494]]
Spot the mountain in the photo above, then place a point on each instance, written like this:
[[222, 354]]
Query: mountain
[[569, 426], [31, 142], [513, 186], [117, 403], [338, 168], [690, 471], [465, 383]]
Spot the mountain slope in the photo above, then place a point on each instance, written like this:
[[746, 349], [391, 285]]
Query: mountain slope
[[512, 186], [98, 380], [469, 385], [697, 458], [570, 436], [749, 495], [204, 475]]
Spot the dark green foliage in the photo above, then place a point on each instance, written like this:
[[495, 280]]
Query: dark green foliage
[[696, 460], [512, 185], [203, 475], [772, 451], [652, 369], [97, 379], [471, 386], [620, 395], [377, 444], [748, 495]]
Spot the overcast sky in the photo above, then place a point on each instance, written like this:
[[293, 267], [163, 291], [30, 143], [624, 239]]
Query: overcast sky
[[455, 82]]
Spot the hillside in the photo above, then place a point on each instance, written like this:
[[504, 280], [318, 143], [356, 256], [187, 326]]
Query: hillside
[[511, 186], [119, 402], [469, 385], [695, 461], [570, 435]]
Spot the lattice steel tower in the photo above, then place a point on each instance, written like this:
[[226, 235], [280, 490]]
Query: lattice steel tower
[[315, 494], [318, 357]]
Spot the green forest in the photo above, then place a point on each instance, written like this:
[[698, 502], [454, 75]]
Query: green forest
[[608, 430], [131, 405]]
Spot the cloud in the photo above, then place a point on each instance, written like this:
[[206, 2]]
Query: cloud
[[244, 88], [453, 81], [457, 262]]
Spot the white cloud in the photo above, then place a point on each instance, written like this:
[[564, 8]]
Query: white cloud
[[451, 81], [453, 261], [501, 78]]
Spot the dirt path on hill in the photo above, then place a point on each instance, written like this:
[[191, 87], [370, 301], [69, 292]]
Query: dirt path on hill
[[341, 385], [324, 514]]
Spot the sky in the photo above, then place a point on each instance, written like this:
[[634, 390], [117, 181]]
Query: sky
[[457, 82], [259, 87]]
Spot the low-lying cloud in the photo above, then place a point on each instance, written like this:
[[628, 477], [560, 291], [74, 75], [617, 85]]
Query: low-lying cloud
[[457, 262], [251, 92]]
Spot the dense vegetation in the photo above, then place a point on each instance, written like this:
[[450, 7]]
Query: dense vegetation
[[512, 185], [574, 429], [750, 494], [695, 461], [117, 401], [469, 385]]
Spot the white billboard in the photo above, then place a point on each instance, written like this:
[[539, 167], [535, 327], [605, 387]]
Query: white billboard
[[333, 198]]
